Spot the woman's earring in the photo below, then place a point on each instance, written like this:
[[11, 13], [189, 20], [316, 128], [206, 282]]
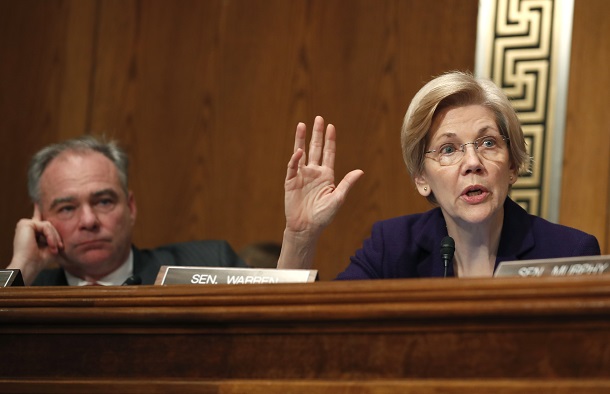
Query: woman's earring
[[425, 189]]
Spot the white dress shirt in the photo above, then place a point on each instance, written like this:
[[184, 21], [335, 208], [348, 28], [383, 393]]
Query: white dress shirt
[[115, 278]]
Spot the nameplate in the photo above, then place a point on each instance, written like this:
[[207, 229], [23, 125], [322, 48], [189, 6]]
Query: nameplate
[[10, 278], [568, 266], [174, 275]]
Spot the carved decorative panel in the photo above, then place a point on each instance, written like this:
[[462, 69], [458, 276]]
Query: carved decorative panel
[[523, 46]]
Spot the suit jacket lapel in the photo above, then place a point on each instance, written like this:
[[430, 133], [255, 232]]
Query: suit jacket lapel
[[146, 268], [59, 279], [517, 237], [428, 241]]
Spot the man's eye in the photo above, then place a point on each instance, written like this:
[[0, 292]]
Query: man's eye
[[65, 212], [105, 203], [447, 149]]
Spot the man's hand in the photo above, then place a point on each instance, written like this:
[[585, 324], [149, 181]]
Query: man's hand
[[36, 243]]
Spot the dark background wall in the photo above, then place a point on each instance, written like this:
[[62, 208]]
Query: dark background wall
[[205, 97]]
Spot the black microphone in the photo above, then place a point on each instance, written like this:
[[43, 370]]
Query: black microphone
[[447, 250], [132, 280]]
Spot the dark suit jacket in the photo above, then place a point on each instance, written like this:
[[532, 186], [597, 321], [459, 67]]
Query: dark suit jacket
[[409, 246], [147, 262]]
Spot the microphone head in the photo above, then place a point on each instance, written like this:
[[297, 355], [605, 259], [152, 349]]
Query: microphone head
[[447, 248]]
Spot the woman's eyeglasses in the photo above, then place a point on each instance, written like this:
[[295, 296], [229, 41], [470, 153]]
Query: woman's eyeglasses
[[450, 153]]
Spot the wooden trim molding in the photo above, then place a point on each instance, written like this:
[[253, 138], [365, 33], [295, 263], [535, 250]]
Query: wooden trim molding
[[427, 333]]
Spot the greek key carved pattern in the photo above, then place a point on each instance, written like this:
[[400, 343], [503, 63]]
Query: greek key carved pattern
[[521, 66]]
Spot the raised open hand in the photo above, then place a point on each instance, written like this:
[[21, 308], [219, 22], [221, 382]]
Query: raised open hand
[[311, 197]]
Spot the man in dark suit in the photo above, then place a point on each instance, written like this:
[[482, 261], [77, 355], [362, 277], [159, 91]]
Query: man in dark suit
[[83, 220]]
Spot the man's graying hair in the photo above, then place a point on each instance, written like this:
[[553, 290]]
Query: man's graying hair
[[84, 144]]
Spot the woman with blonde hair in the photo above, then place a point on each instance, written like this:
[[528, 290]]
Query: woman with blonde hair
[[464, 148]]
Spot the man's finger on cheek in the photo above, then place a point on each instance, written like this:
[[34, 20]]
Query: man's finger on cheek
[[41, 240], [37, 215], [53, 241]]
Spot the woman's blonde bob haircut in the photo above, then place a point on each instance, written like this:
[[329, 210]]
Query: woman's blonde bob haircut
[[458, 89]]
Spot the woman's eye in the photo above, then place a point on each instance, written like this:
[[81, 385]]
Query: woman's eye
[[488, 142], [447, 149]]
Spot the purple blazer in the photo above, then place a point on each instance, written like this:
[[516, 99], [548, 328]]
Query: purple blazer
[[409, 246]]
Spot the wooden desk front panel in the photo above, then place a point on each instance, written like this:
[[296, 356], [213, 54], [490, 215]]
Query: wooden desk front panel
[[340, 331]]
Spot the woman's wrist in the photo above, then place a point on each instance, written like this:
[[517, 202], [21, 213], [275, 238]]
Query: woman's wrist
[[298, 249]]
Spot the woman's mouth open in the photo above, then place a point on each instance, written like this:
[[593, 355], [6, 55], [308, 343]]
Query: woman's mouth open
[[474, 194]]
